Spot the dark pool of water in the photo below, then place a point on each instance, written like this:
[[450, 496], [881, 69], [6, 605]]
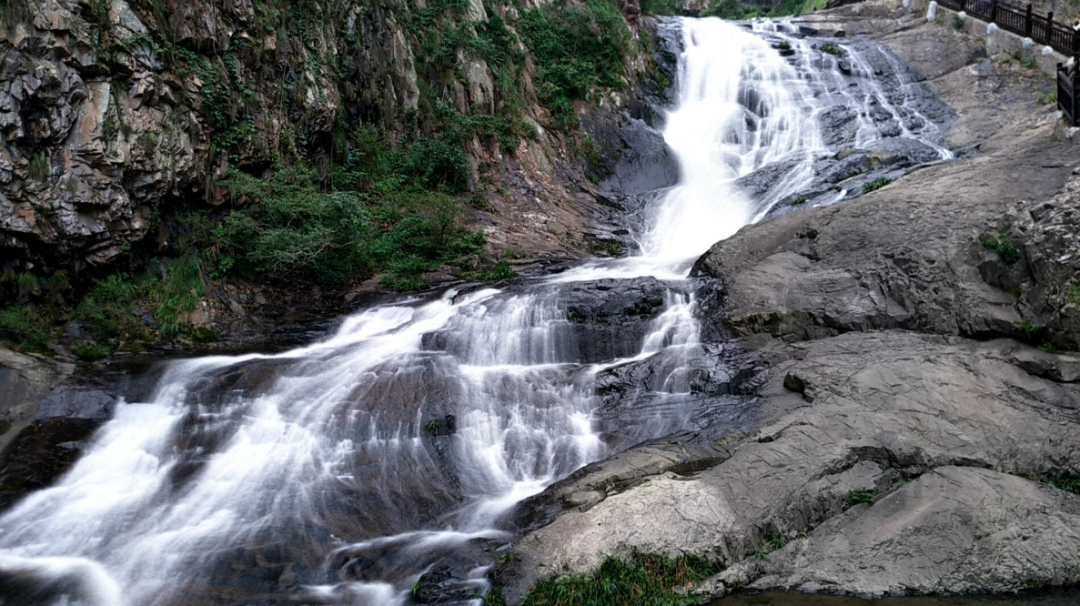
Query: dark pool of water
[[1069, 597]]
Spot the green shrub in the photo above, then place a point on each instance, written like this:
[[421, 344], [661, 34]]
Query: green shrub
[[875, 185], [296, 228], [501, 271], [1002, 244], [832, 49], [957, 21], [800, 200], [1065, 481], [107, 310], [646, 579]]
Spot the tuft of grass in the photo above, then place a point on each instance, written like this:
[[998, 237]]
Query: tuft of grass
[[26, 327], [645, 579], [800, 200], [39, 169], [181, 289], [784, 45], [957, 21], [875, 185], [832, 49], [1072, 293], [1001, 243]]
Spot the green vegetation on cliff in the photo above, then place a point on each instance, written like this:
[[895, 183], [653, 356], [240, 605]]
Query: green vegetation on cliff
[[576, 47], [738, 10], [334, 141]]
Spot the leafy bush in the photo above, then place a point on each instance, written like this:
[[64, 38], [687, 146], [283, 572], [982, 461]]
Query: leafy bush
[[1003, 246], [575, 47], [832, 49], [501, 271], [957, 21], [290, 226], [875, 185], [646, 579], [295, 227], [106, 309]]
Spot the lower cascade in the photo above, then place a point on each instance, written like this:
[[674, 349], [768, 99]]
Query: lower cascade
[[343, 471]]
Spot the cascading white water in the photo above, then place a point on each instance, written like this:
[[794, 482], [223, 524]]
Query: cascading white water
[[741, 107], [338, 472]]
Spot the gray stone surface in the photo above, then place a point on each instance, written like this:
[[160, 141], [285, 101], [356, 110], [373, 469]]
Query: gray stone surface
[[876, 408], [24, 381]]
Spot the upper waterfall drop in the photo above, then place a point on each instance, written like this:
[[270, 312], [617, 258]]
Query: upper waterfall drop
[[740, 107]]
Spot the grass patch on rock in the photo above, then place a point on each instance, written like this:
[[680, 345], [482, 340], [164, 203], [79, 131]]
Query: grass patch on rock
[[644, 579]]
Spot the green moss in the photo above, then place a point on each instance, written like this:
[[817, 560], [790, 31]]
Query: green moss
[[645, 579]]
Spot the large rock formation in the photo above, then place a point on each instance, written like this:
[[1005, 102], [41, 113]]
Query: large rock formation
[[908, 418]]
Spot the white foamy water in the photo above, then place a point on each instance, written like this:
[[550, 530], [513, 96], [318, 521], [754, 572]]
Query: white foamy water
[[338, 472]]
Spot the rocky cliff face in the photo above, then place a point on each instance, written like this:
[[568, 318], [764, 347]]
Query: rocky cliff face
[[114, 113]]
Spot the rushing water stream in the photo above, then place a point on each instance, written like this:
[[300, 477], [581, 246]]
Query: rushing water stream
[[339, 472]]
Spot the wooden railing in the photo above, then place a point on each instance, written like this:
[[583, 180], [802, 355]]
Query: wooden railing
[[1023, 21], [1068, 87], [1042, 29]]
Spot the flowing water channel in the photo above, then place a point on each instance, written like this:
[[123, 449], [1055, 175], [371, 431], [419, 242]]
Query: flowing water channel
[[339, 472]]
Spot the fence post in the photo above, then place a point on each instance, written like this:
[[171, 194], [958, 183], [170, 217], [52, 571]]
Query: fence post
[[1027, 21], [1074, 80], [1050, 28], [1075, 43], [993, 11]]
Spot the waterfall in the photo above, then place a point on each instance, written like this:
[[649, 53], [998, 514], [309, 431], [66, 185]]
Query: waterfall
[[340, 472]]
